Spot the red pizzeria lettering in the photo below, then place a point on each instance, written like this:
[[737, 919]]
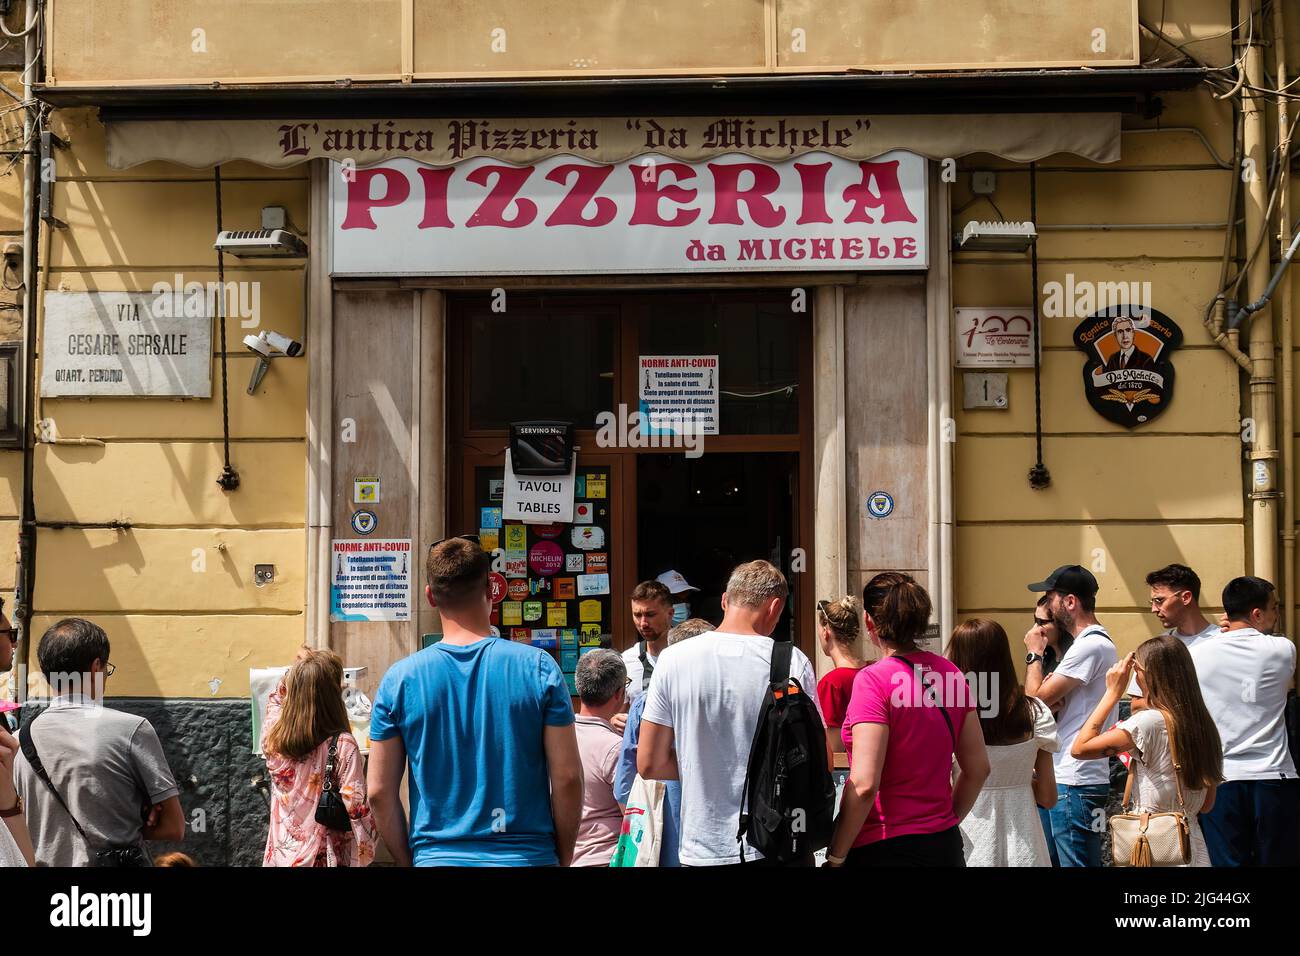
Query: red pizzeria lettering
[[663, 194]]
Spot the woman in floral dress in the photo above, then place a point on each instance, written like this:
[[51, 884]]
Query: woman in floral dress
[[303, 714]]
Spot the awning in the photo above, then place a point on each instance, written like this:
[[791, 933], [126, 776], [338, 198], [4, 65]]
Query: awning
[[1017, 137]]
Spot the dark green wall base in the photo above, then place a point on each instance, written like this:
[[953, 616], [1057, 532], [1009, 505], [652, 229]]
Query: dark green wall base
[[208, 744]]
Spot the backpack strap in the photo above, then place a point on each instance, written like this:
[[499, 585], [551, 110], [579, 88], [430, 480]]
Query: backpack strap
[[782, 652], [646, 667], [778, 678], [34, 760], [925, 695]]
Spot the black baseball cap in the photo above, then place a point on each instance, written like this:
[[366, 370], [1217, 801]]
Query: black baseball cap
[[1069, 579]]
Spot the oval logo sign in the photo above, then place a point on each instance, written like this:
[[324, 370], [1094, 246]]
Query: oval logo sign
[[364, 522], [498, 584]]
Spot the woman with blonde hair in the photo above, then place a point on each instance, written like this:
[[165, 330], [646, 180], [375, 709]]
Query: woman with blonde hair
[[309, 748], [838, 627], [1177, 753]]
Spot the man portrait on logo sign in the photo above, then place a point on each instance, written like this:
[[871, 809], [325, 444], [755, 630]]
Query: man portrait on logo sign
[[1128, 355]]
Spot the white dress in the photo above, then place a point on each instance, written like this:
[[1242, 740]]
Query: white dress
[[1003, 828], [10, 855], [1154, 788]]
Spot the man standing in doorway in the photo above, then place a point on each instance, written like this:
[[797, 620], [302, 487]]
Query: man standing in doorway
[[1175, 599], [1245, 673], [701, 710], [487, 728], [652, 613], [1076, 686]]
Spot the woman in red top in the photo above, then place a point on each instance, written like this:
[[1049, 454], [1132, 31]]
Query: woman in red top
[[838, 626]]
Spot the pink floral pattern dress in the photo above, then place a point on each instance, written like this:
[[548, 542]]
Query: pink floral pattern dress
[[294, 838]]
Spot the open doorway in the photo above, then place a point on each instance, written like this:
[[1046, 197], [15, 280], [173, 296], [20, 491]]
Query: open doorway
[[703, 516]]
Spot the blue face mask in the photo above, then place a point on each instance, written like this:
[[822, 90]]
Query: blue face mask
[[681, 612]]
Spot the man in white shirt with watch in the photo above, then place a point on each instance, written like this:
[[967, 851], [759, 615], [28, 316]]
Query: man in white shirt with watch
[[1073, 690]]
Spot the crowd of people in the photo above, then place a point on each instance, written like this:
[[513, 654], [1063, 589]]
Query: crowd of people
[[952, 759]]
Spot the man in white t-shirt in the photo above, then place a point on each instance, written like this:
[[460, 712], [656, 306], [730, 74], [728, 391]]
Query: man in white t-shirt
[[652, 614], [1175, 599], [1245, 673], [1073, 691], [702, 708]]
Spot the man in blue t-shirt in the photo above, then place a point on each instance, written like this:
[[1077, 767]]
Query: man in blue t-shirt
[[487, 727]]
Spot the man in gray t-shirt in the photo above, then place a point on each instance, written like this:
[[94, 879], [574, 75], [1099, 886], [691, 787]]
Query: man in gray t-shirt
[[107, 766]]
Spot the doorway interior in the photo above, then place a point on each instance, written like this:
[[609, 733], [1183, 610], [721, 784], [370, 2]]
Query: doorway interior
[[572, 356]]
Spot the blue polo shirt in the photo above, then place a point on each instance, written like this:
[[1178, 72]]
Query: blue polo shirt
[[471, 719]]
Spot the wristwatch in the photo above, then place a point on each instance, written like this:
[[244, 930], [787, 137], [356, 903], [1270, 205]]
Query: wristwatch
[[13, 811], [1032, 658]]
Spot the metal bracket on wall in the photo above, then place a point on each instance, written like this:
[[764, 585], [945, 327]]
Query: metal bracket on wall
[[49, 142]]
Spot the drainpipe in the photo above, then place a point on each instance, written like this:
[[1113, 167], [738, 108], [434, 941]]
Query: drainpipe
[[1263, 385], [1288, 588], [26, 571]]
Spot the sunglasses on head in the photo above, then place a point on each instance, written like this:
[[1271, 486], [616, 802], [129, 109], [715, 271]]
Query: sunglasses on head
[[461, 537]]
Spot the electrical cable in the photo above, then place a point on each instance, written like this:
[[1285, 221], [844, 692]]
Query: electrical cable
[[229, 478], [1039, 476]]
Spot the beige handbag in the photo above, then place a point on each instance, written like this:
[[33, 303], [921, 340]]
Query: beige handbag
[[1152, 839]]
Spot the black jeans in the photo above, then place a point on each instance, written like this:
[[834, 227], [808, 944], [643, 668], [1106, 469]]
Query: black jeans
[[915, 849]]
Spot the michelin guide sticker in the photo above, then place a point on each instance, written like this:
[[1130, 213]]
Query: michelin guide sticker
[[127, 344], [370, 580]]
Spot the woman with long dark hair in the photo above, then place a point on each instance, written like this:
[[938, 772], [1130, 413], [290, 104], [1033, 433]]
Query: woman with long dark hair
[[306, 732], [906, 720], [1003, 828], [1177, 754]]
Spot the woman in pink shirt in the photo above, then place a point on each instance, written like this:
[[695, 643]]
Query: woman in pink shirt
[[906, 721], [305, 717]]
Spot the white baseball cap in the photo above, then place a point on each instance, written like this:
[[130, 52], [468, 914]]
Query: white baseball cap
[[674, 582]]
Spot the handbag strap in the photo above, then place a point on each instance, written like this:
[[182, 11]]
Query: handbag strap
[[1173, 758], [1126, 803], [34, 761], [330, 778], [929, 698]]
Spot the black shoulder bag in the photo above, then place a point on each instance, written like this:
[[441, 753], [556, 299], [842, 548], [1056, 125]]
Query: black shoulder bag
[[330, 811], [109, 856]]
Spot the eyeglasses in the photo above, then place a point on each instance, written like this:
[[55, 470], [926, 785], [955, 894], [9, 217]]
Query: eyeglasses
[[1159, 601], [109, 668], [11, 633], [627, 683], [1039, 622]]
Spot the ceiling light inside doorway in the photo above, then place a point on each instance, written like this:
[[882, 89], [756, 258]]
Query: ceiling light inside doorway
[[996, 237]]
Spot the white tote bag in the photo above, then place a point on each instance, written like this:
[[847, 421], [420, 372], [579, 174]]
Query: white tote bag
[[641, 835]]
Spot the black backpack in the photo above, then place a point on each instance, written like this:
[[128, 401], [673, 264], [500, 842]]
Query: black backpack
[[791, 808]]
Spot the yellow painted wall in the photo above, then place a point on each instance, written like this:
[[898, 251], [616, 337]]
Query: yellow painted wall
[[175, 590], [1121, 502]]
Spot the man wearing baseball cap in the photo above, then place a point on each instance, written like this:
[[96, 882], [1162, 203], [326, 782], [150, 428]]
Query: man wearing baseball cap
[[681, 591], [1073, 691]]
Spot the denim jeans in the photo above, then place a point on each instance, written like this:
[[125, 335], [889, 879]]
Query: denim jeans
[[1078, 822], [1045, 818], [1253, 823]]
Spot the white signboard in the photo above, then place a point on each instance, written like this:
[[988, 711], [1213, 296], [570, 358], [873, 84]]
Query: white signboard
[[679, 394], [647, 214], [538, 499], [993, 337], [370, 580], [127, 343]]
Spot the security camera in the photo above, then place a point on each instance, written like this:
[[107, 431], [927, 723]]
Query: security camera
[[268, 345], [272, 344]]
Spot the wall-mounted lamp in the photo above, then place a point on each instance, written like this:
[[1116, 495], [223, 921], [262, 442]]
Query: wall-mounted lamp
[[995, 237]]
